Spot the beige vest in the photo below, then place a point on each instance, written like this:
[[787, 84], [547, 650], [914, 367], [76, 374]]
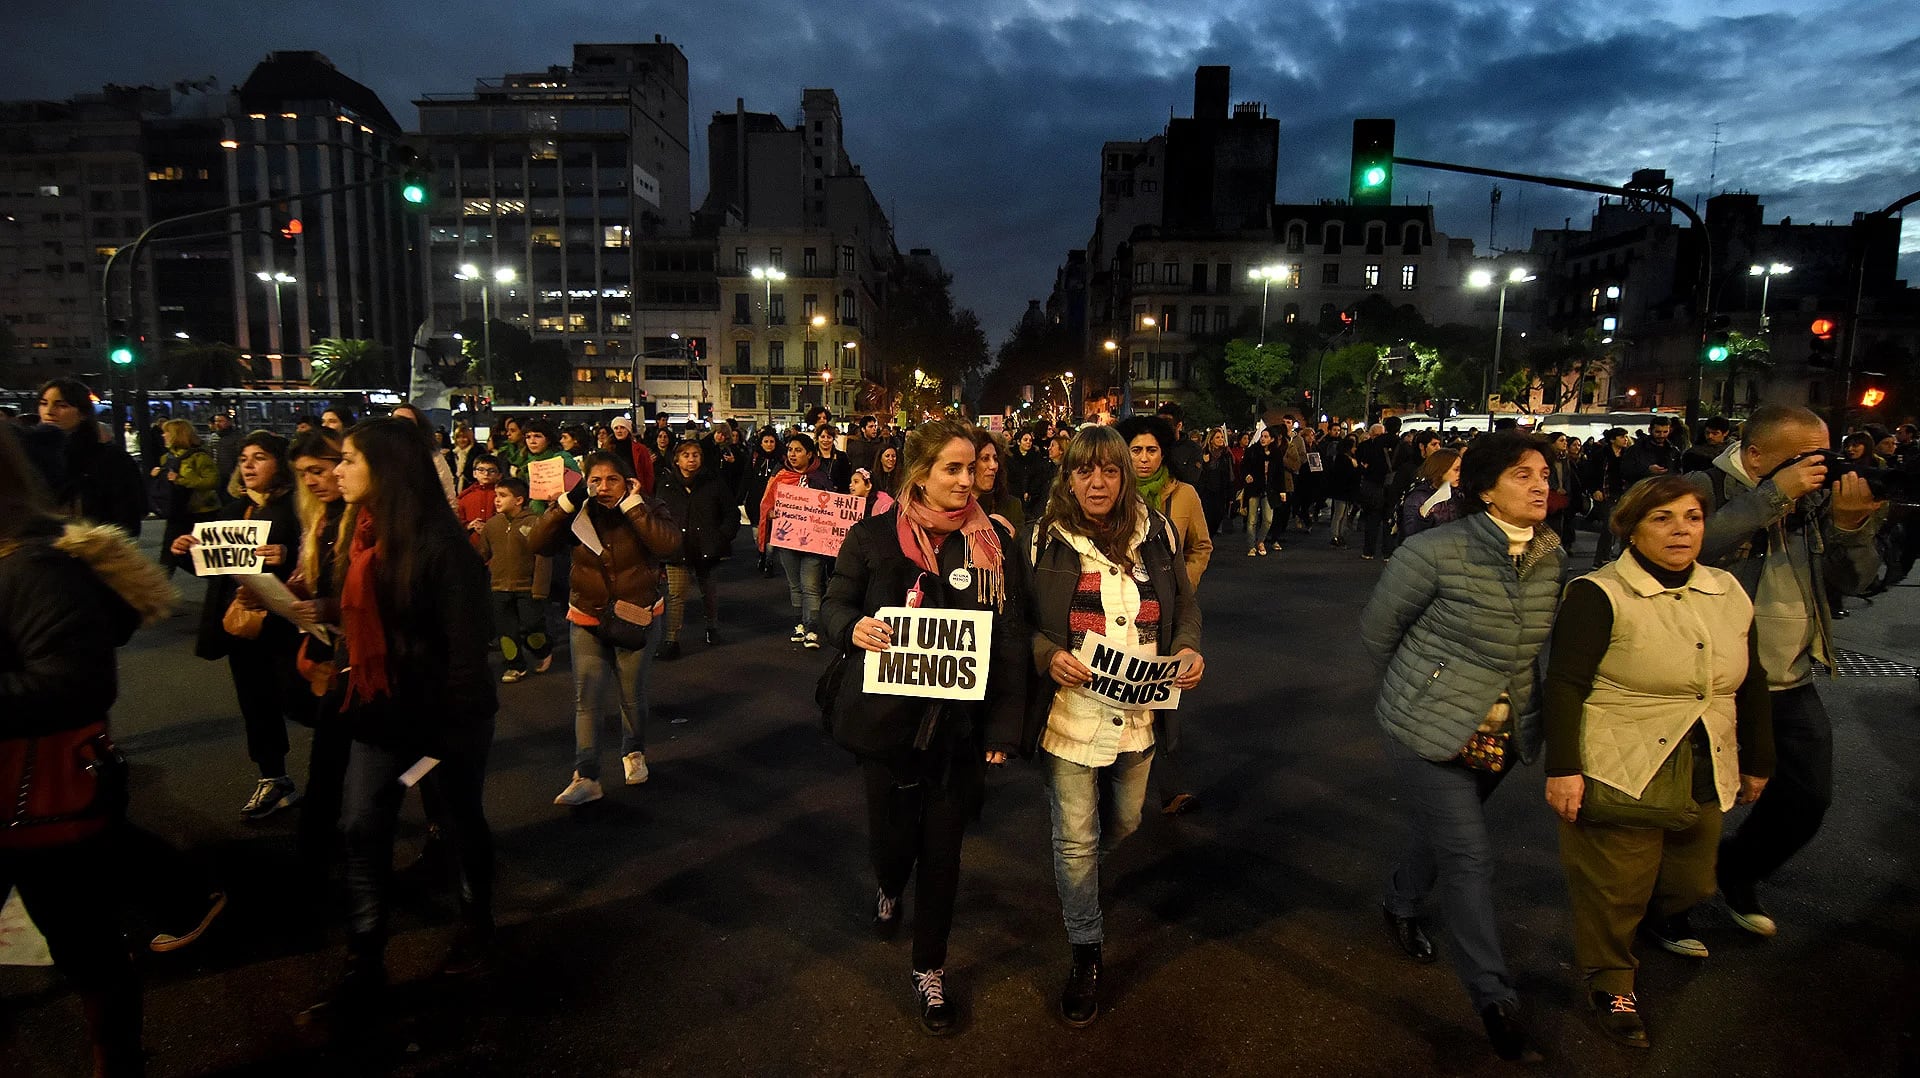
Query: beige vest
[[1677, 656]]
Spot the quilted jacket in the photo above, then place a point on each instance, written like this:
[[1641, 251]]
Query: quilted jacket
[[1453, 623]]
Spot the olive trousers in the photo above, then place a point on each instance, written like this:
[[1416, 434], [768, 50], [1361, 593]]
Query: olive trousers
[[1617, 876]]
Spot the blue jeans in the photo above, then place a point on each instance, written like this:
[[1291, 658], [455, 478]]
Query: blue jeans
[[606, 679], [1087, 826], [1451, 856], [806, 583], [1259, 517]]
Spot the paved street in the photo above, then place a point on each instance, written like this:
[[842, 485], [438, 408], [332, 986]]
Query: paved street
[[713, 921]]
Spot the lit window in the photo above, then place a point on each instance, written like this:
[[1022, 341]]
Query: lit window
[[616, 236], [1373, 275], [1409, 277]]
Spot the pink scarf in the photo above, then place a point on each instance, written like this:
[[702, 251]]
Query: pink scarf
[[917, 523]]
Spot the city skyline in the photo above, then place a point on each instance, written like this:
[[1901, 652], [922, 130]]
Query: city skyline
[[981, 135]]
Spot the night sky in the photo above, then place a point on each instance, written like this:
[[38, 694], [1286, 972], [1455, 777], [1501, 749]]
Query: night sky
[[979, 124]]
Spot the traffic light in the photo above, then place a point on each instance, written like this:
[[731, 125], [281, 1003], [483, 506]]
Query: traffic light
[[120, 353], [413, 190], [1872, 396], [1820, 345], [1719, 343], [1372, 179]]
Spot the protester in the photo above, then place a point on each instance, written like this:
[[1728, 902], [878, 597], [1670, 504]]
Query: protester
[[1254, 473], [258, 646], [95, 478], [537, 435], [699, 504], [887, 471], [834, 465], [1216, 480], [315, 460], [413, 658], [415, 415], [1343, 489], [1638, 768], [1430, 500], [1457, 623], [1700, 455], [70, 593], [1791, 540], [613, 613], [1652, 454], [337, 420], [519, 593], [1565, 489], [990, 488], [1148, 441], [460, 458], [193, 482], [940, 543], [768, 459], [1606, 480], [806, 572], [877, 501], [1375, 457], [476, 505], [1102, 560]]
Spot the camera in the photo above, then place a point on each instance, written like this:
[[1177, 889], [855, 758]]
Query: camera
[[1888, 484]]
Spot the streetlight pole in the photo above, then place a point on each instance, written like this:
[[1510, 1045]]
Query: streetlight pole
[[504, 275], [1481, 279], [1113, 359], [1266, 275], [1066, 384], [1766, 275], [276, 278]]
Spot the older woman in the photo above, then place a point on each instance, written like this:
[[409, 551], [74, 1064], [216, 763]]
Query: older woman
[[1103, 562], [1458, 621], [921, 792], [1431, 501], [261, 655], [1658, 720]]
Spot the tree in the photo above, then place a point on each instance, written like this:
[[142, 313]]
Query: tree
[[210, 365], [1036, 353], [1258, 370], [1566, 369], [921, 329], [346, 363]]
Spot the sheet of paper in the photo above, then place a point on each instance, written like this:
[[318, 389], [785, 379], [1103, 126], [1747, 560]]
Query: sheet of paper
[[412, 775], [546, 479], [936, 654], [228, 547], [1131, 677], [584, 531], [276, 597]]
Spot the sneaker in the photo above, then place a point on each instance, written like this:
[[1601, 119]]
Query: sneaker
[[1366, 557], [546, 664], [512, 676], [1178, 804], [269, 797], [1253, 552], [1673, 934], [886, 915], [799, 634], [813, 642], [579, 792], [1745, 909], [713, 636], [935, 1016], [1620, 1018], [635, 765], [164, 942]]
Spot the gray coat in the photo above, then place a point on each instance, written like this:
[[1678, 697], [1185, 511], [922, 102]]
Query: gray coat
[[1453, 623]]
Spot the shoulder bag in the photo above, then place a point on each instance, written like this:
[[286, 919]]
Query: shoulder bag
[[1667, 803], [60, 788]]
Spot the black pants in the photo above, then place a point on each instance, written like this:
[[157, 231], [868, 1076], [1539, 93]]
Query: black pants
[[1789, 813], [1214, 504], [922, 823], [1373, 518], [263, 680], [319, 831], [71, 893], [372, 800]]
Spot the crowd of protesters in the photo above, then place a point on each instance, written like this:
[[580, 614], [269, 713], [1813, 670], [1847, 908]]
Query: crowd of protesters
[[413, 554]]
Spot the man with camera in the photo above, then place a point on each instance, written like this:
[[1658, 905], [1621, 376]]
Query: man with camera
[[1790, 527]]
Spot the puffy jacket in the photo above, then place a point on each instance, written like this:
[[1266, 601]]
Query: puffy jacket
[[199, 476], [703, 510], [633, 539], [870, 573], [1413, 523], [1453, 623]]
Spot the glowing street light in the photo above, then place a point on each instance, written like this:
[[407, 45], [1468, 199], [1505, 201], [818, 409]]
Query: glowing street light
[[769, 275], [1481, 278], [503, 275], [1766, 275], [1266, 275]]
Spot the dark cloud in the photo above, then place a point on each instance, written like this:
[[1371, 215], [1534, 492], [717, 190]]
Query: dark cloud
[[980, 125]]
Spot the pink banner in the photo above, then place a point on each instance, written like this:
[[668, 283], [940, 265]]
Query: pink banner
[[813, 521]]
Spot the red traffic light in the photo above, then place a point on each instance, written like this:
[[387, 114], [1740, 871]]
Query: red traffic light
[[1872, 398], [1822, 328], [292, 228]]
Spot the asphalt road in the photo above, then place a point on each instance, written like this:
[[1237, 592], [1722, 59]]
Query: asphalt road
[[713, 921]]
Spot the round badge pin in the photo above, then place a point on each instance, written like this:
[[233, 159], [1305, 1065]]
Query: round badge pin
[[1140, 573], [960, 578]]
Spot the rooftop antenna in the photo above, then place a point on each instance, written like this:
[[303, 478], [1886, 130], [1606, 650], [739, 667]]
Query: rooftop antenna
[[1493, 217], [1713, 165]]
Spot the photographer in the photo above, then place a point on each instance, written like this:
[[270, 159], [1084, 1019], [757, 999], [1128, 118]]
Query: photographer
[[1791, 537]]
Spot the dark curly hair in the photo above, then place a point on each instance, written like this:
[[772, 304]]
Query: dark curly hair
[[1490, 456]]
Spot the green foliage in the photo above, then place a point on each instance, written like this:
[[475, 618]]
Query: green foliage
[[523, 365], [351, 363], [209, 365], [1034, 354], [1258, 370]]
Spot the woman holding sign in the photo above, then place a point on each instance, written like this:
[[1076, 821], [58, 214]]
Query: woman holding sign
[[1105, 577], [259, 647], [924, 748], [806, 573]]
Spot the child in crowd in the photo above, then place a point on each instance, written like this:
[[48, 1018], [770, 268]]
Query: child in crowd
[[519, 614], [476, 502]]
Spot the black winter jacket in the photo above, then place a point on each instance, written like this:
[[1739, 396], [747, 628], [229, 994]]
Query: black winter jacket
[[283, 529], [708, 519], [871, 573]]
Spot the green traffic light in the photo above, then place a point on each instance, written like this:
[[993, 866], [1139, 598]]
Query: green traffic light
[[1374, 177], [1717, 353], [121, 356], [415, 193]]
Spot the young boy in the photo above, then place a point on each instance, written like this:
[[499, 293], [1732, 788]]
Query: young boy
[[519, 614], [476, 502]]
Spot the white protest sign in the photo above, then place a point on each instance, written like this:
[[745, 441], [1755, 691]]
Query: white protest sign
[[228, 547], [937, 654], [1131, 677], [1314, 464], [546, 479]]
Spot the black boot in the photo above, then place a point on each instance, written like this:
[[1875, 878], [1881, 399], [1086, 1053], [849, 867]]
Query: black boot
[[1409, 935], [1080, 999], [1508, 1036]]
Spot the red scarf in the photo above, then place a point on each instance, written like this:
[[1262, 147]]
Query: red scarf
[[360, 617], [917, 523]]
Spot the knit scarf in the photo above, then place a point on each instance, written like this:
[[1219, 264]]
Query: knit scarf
[[917, 523], [360, 617], [1153, 486]]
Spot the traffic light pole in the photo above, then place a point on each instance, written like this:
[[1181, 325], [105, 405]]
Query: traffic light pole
[[133, 251], [1703, 283]]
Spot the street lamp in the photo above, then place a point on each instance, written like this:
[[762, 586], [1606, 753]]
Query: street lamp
[[503, 275], [276, 278], [1153, 362], [1266, 275], [852, 348], [1066, 384], [1482, 279], [762, 273], [1766, 275]]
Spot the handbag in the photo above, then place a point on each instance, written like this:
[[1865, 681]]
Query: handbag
[[1486, 750], [1667, 803], [242, 622], [61, 787], [616, 630]]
